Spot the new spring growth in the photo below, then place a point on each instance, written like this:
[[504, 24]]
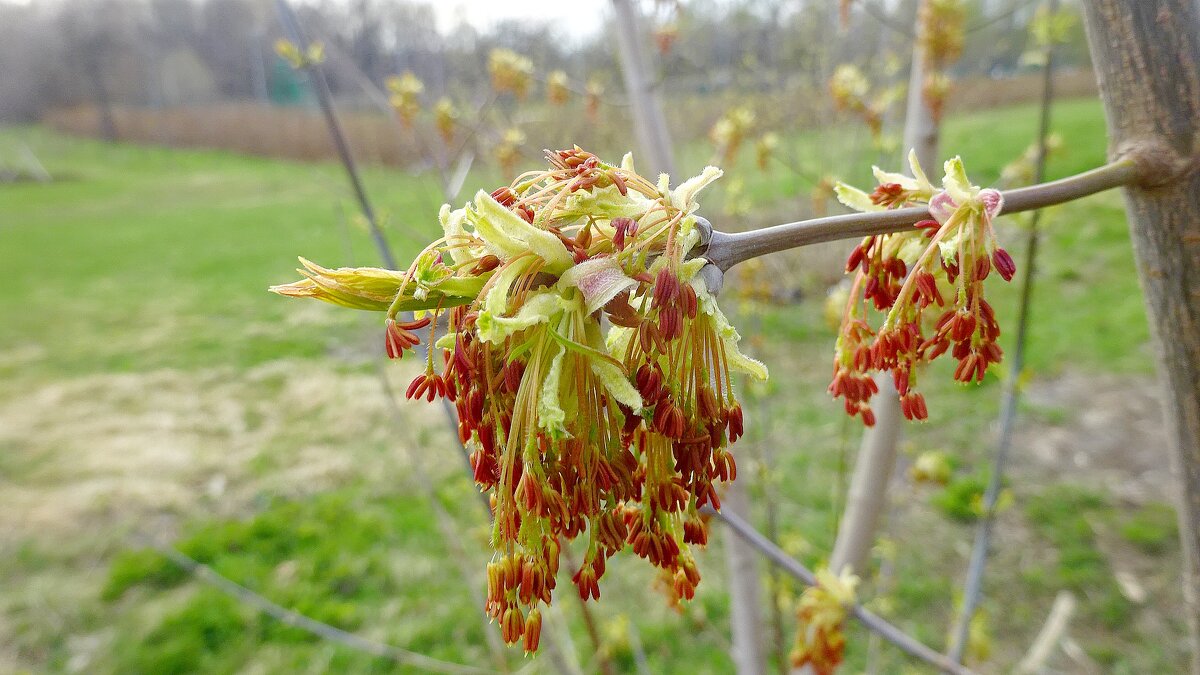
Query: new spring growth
[[820, 635], [511, 73], [289, 51], [614, 437], [404, 95], [928, 285]]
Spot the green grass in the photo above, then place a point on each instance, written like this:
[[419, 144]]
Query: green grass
[[144, 261]]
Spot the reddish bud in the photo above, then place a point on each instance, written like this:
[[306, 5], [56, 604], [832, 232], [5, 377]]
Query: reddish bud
[[1004, 264]]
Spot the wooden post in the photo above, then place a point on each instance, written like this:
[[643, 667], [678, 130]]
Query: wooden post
[[1146, 54]]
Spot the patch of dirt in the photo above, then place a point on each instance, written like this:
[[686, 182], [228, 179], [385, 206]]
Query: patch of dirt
[[1112, 437]]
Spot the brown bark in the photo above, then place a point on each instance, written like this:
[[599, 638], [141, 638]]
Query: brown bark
[[1146, 55]]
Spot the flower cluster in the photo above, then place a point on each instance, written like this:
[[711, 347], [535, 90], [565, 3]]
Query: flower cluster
[[820, 639], [404, 95], [850, 90], [445, 118], [764, 149], [593, 97], [730, 130], [289, 51], [511, 72], [927, 281], [508, 150], [558, 88], [942, 32], [614, 438]]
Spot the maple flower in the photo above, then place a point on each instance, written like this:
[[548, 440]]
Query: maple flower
[[820, 640], [445, 117], [405, 95], [730, 130], [558, 87], [510, 72], [941, 262], [594, 95], [618, 438]]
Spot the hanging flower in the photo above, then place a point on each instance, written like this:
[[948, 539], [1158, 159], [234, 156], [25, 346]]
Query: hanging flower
[[616, 438], [850, 90], [405, 95], [665, 37], [508, 150], [595, 96], [765, 149], [730, 130], [511, 73], [941, 262], [558, 88], [445, 118], [942, 34], [820, 636]]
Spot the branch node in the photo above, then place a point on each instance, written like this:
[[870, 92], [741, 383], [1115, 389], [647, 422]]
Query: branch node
[[1157, 163]]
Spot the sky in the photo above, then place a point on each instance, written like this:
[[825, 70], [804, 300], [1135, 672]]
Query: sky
[[578, 18]]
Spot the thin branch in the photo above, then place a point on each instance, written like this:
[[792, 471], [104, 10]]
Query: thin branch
[[321, 630], [728, 249], [973, 585], [291, 26], [880, 15], [988, 21], [1050, 635], [867, 618]]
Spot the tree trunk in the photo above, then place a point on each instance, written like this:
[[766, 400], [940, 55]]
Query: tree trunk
[[649, 124], [1146, 54], [745, 589]]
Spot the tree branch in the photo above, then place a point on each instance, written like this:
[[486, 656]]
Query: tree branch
[[867, 618], [321, 630], [728, 249]]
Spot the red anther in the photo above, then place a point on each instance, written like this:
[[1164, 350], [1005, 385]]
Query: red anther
[[526, 213], [963, 327], [512, 626], [487, 263], [670, 322], [930, 226], [888, 194], [666, 288], [662, 416], [618, 180], [983, 267], [415, 386], [735, 422], [965, 371], [533, 631], [992, 352], [856, 258], [871, 288], [691, 303], [504, 195], [475, 405], [868, 417], [513, 372], [1004, 264]]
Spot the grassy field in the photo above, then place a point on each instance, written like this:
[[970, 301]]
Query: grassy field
[[154, 392]]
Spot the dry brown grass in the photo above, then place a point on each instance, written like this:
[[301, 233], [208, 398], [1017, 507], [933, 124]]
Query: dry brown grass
[[377, 138]]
